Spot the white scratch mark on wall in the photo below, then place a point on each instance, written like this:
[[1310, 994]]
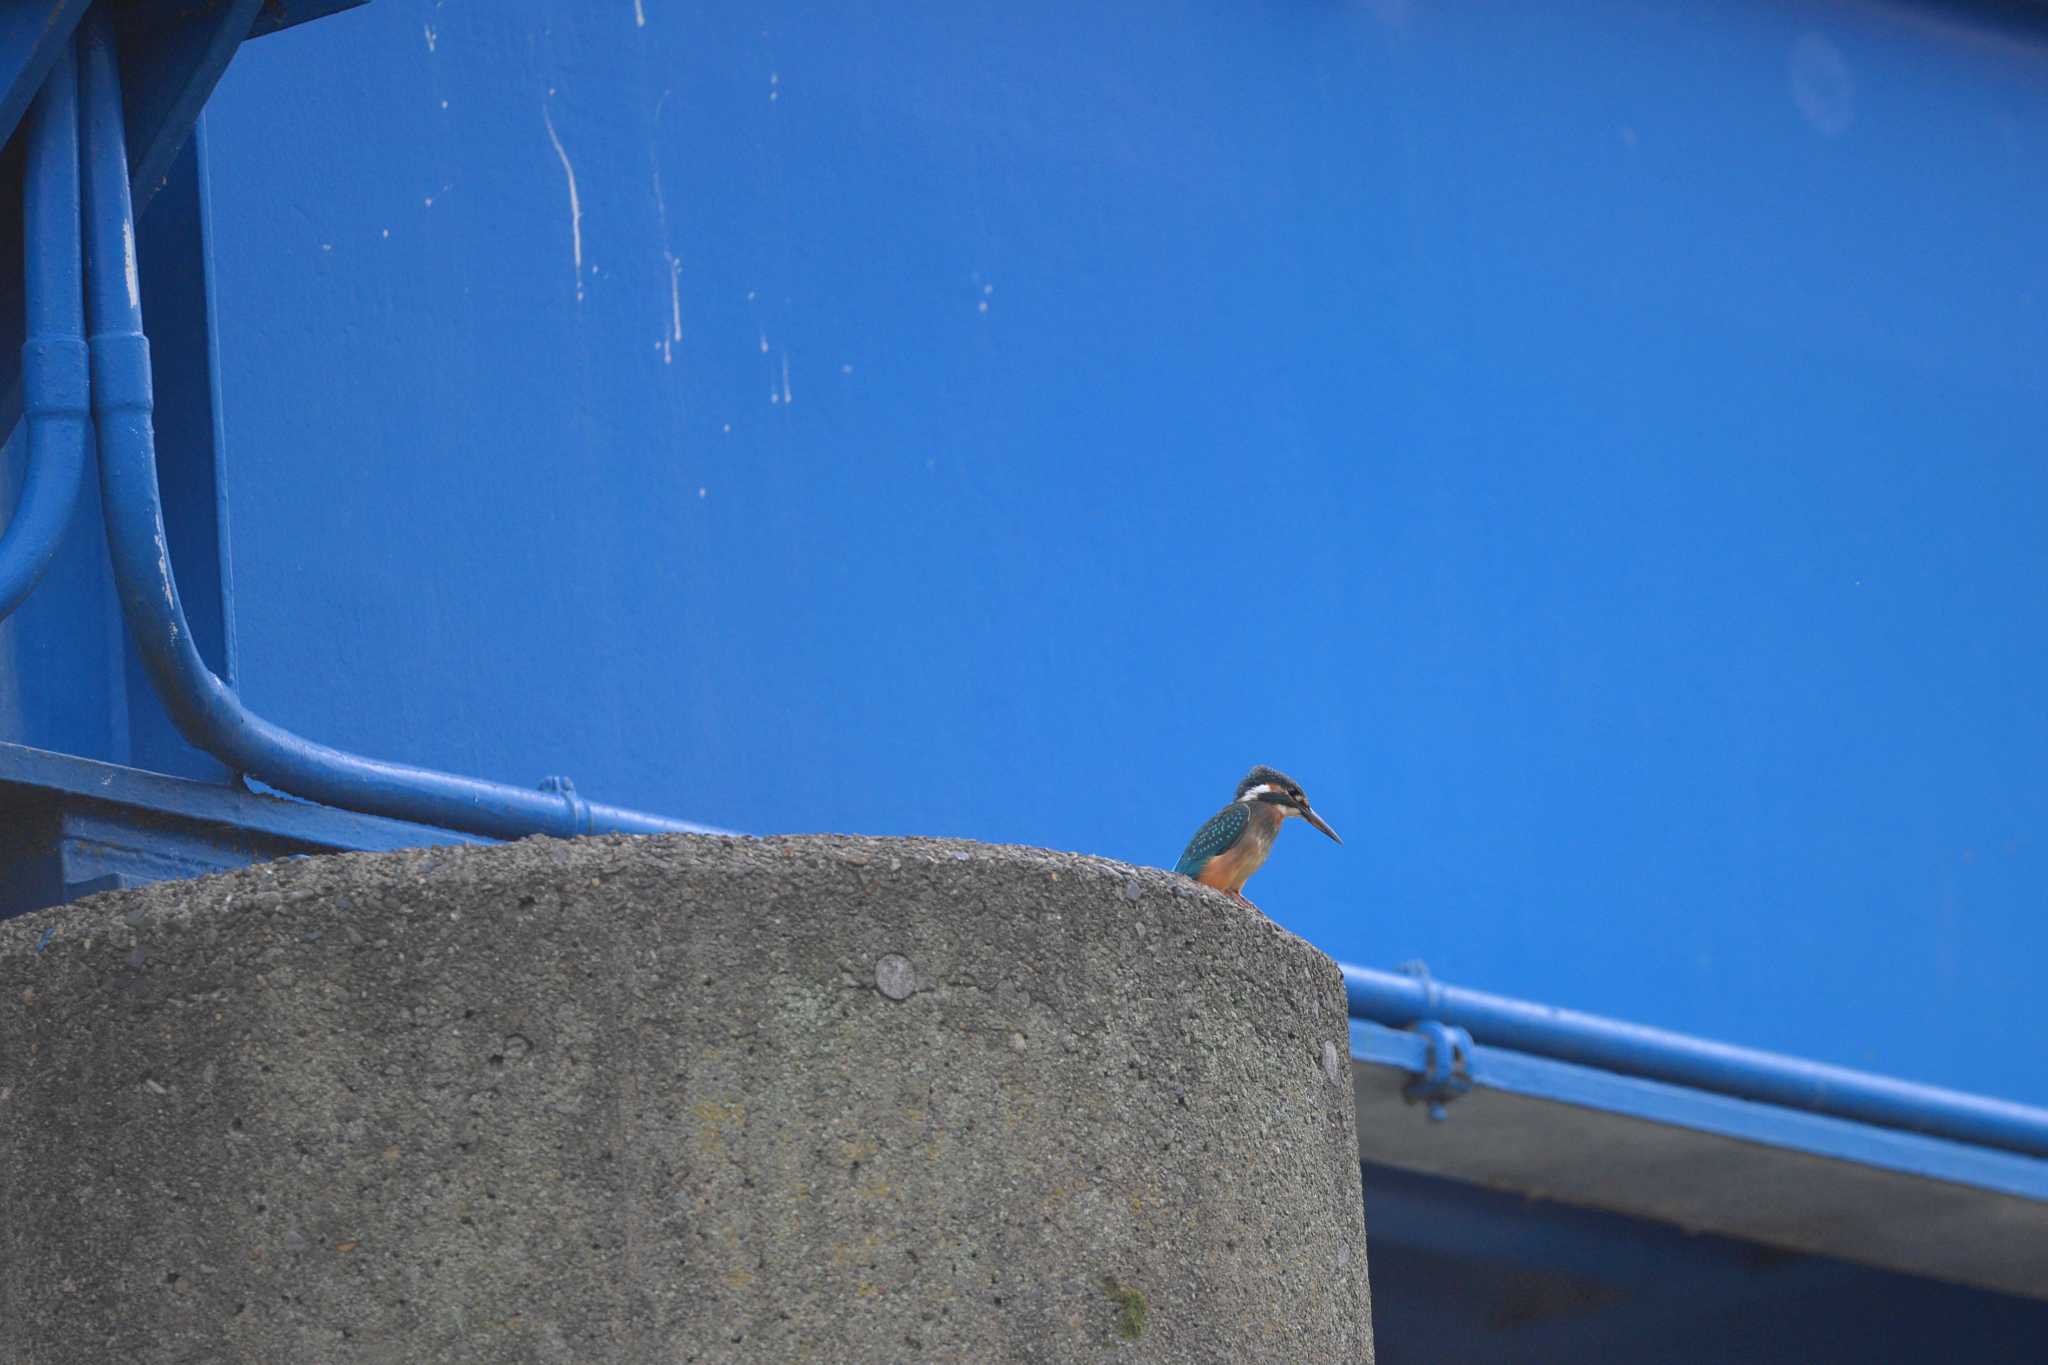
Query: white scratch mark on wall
[[431, 36], [575, 201], [787, 396], [675, 307], [764, 343], [674, 336], [639, 15]]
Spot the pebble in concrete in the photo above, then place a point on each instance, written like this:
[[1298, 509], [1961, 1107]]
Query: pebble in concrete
[[895, 977]]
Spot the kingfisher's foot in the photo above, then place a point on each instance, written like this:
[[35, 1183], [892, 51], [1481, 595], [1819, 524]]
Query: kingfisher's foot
[[1244, 900]]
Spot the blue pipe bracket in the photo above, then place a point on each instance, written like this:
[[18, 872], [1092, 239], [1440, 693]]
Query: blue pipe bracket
[[206, 711], [53, 358], [1446, 1068], [1408, 999]]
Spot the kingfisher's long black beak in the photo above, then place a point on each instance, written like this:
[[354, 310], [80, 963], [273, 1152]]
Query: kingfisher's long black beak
[[1316, 820]]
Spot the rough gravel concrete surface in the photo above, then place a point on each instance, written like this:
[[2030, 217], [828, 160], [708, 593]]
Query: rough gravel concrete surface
[[682, 1099]]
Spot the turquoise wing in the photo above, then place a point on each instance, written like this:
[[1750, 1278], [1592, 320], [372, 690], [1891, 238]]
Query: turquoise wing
[[1211, 839]]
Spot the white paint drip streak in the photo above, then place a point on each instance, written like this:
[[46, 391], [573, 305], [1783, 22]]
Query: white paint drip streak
[[575, 201], [675, 265]]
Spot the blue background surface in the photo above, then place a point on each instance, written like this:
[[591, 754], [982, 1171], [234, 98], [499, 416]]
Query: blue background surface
[[1595, 448]]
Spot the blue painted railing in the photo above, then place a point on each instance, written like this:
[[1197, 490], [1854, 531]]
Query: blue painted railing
[[1401, 999]]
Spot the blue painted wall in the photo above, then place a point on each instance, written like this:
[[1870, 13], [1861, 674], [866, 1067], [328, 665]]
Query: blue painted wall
[[1595, 447]]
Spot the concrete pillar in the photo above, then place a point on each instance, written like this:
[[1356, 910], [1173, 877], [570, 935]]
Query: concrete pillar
[[678, 1099]]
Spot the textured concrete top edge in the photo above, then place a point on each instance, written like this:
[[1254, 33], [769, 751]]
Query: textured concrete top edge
[[627, 853]]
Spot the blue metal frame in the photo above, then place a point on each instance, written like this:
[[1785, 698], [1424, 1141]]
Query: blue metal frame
[[71, 826], [66, 781], [1403, 999], [53, 358], [275, 16], [188, 51], [188, 47], [32, 37], [204, 708]]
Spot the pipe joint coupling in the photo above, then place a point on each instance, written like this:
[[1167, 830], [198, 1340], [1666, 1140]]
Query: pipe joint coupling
[[120, 373]]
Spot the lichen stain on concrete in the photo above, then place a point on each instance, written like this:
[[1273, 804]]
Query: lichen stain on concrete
[[1130, 1308], [714, 1120]]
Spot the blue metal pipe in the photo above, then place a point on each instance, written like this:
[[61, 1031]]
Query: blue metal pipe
[[53, 358], [207, 712], [1400, 1000]]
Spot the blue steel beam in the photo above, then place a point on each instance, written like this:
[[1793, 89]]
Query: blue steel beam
[[1401, 1000], [33, 32], [53, 359], [205, 709], [281, 14], [31, 38], [187, 49], [180, 51], [64, 780], [70, 826]]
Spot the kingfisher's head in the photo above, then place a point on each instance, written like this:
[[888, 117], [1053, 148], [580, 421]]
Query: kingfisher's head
[[1277, 788]]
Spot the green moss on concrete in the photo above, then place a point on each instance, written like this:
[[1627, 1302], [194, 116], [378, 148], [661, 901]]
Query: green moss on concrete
[[1130, 1308]]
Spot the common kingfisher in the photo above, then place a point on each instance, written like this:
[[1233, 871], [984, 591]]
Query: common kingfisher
[[1225, 852]]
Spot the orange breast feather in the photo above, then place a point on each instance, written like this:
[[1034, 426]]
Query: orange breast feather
[[1232, 868]]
